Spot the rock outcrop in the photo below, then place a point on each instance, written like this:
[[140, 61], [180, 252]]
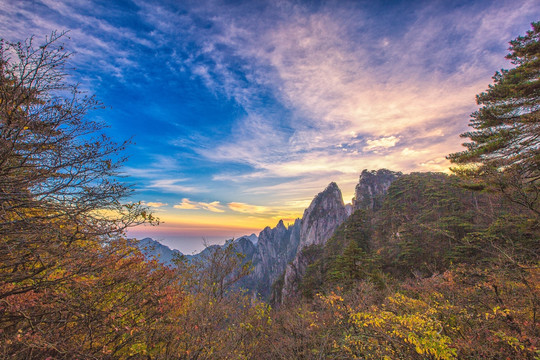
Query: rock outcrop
[[372, 187], [276, 247], [323, 216], [245, 246]]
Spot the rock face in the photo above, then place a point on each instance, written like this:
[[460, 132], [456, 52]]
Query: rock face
[[269, 253], [321, 219], [253, 238], [276, 247], [245, 246], [349, 209], [372, 187]]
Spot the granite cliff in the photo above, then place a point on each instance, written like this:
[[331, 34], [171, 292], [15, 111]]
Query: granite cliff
[[323, 216], [372, 187], [275, 249]]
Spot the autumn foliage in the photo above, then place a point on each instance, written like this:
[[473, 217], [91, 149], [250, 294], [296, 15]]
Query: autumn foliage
[[71, 285]]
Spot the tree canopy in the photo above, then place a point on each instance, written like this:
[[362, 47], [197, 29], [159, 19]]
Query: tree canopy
[[505, 143]]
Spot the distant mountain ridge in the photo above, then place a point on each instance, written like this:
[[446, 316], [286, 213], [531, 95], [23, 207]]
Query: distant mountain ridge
[[153, 249]]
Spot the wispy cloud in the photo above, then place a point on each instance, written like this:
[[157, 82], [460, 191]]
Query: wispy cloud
[[347, 87], [154, 204], [186, 204], [255, 140], [97, 41], [336, 81], [174, 186], [247, 208], [380, 144]]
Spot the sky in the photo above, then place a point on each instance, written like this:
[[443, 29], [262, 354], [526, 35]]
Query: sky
[[240, 112]]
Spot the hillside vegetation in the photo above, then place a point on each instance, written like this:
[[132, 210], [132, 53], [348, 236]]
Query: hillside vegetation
[[438, 270]]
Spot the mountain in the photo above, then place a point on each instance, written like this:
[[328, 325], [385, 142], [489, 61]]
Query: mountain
[[152, 249], [245, 244], [276, 248], [269, 253], [372, 187], [321, 219], [280, 255], [253, 238], [426, 222]]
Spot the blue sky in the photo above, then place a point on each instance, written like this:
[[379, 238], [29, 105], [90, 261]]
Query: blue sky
[[242, 111]]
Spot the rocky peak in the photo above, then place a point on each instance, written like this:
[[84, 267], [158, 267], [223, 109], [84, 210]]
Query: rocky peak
[[371, 188], [276, 247], [296, 223], [321, 219], [245, 246], [253, 238], [325, 213]]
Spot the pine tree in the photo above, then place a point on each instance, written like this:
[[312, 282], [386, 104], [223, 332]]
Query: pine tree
[[504, 151]]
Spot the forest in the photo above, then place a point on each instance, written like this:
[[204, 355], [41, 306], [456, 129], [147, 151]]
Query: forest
[[442, 267]]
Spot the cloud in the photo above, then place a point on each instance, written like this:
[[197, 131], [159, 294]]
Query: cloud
[[247, 208], [309, 78], [97, 42], [186, 204], [256, 140], [173, 186], [154, 204], [214, 206], [340, 83], [380, 144]]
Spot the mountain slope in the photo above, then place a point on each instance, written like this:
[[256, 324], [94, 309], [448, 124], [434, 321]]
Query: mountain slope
[[426, 223]]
